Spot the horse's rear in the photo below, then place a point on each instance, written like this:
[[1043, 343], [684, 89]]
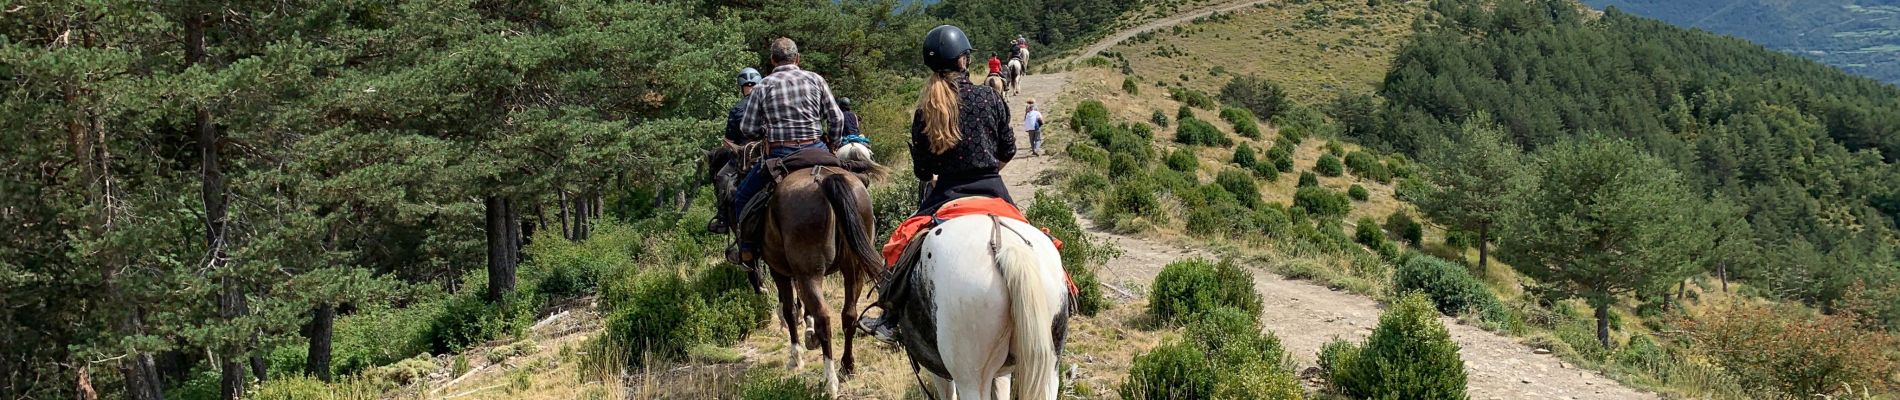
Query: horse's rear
[[990, 306], [820, 224]]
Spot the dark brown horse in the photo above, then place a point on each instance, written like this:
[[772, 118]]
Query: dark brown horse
[[820, 223]]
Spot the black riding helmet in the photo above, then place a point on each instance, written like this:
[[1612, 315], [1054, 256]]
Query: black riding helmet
[[844, 103], [943, 46]]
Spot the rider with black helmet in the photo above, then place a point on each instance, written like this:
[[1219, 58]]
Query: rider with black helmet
[[960, 139]]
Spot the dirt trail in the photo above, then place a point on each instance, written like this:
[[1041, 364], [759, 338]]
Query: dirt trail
[[1118, 37], [1304, 316]]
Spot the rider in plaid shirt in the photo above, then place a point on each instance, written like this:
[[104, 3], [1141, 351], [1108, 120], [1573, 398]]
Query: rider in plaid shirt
[[793, 110]]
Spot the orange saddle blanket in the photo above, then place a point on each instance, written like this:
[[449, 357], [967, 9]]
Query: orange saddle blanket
[[967, 206]]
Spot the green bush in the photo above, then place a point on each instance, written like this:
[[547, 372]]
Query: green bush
[[1319, 201], [1243, 120], [468, 319], [1266, 171], [1128, 85], [1135, 199], [1088, 154], [1368, 233], [1412, 190], [1176, 370], [1410, 355], [1123, 142], [1262, 97], [760, 385], [1358, 193], [1461, 239], [1193, 98], [1308, 179], [1183, 160], [1088, 187], [1081, 253], [1328, 165], [659, 313], [1366, 166], [1227, 220], [1187, 287], [1241, 184], [1282, 163], [1184, 112], [372, 337], [1160, 119], [1451, 289], [1244, 157], [1195, 132], [1089, 116], [1123, 167], [1407, 229], [1333, 148]]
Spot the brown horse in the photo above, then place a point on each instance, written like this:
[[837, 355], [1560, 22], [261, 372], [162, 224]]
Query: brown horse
[[996, 82], [805, 242]]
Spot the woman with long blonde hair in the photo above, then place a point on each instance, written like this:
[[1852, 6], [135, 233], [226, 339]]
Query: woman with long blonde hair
[[960, 136]]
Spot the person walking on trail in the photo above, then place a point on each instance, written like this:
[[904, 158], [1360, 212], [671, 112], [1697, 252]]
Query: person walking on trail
[[1032, 123], [792, 109], [996, 64], [748, 78]]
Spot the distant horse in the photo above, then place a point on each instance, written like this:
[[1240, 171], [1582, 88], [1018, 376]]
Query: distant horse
[[989, 300], [1022, 53], [996, 82], [1012, 71]]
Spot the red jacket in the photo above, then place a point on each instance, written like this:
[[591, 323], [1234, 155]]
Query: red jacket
[[996, 65]]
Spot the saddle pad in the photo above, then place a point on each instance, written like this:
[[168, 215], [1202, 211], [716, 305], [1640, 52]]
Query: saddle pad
[[967, 206]]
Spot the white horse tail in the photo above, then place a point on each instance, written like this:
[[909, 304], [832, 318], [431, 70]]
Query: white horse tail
[[1032, 320]]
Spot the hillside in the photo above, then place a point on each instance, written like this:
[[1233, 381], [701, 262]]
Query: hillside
[[1859, 36]]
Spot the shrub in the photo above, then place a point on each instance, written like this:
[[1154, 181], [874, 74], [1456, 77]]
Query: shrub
[[1088, 187], [1262, 97], [1412, 190], [1282, 162], [1451, 289], [1195, 132], [1244, 157], [1358, 193], [1188, 287], [1368, 233], [1184, 112], [1366, 166], [1123, 167], [1176, 370], [1308, 179], [1409, 355], [1081, 253], [1243, 120], [1791, 352], [1160, 119], [1460, 239], [761, 385], [1241, 184], [1126, 143], [1183, 160], [1319, 201], [1128, 85], [1224, 219], [1088, 154], [1407, 229], [661, 314], [1328, 165], [1134, 199], [1193, 98], [1333, 148], [1089, 116], [468, 319], [1266, 171]]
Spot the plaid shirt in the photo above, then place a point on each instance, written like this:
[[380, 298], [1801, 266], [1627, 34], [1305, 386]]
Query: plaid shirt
[[792, 104]]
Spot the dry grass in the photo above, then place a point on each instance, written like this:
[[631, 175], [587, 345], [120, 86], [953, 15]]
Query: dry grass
[[1348, 50]]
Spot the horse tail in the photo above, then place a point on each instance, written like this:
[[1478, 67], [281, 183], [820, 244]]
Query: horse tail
[[843, 197], [873, 172], [1032, 319]]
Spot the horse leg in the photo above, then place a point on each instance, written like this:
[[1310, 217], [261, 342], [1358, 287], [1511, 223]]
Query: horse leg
[[1002, 387], [788, 308], [942, 388], [810, 292], [853, 285]]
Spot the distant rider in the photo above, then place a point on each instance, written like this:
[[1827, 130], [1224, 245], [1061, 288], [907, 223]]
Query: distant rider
[[748, 78]]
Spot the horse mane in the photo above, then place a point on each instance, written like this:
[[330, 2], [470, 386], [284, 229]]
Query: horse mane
[[715, 158]]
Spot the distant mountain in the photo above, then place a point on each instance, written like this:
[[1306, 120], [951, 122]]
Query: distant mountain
[[1860, 36]]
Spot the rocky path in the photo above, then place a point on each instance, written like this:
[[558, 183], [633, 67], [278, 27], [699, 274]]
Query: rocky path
[[1304, 315]]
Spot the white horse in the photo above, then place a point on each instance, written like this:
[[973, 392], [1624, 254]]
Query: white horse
[[1011, 72], [990, 305]]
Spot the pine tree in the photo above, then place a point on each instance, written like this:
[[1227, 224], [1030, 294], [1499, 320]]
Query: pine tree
[[1476, 170]]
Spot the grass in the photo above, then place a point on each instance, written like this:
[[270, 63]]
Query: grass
[[1347, 51]]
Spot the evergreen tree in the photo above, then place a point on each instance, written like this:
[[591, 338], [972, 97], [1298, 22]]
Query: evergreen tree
[[1476, 171], [1603, 220]]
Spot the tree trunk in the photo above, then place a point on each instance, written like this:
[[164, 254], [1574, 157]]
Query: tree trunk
[[1484, 251], [501, 256], [140, 370], [322, 326], [515, 240], [1603, 324], [1721, 269], [231, 298], [567, 231], [583, 211]]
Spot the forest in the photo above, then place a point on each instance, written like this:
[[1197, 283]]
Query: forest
[[205, 195], [1808, 152], [1853, 35]]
